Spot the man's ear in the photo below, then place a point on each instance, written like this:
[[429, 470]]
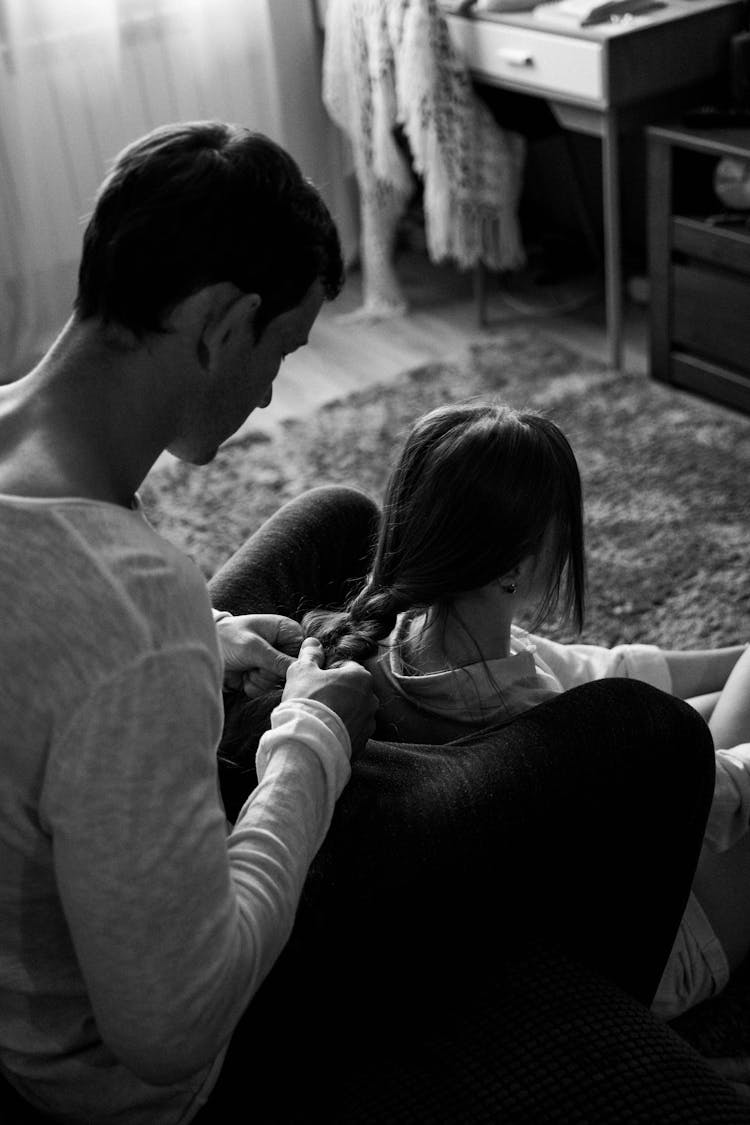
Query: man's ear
[[231, 317], [219, 314]]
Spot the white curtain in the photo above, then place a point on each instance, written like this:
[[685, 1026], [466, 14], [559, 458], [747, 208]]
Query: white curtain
[[79, 79]]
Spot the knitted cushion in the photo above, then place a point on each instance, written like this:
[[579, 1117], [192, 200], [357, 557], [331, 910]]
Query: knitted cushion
[[598, 1057]]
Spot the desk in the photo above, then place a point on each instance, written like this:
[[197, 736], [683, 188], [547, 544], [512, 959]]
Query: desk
[[601, 81]]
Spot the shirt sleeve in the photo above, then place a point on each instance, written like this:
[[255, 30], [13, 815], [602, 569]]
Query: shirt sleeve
[[580, 663], [302, 766], [729, 817], [174, 925]]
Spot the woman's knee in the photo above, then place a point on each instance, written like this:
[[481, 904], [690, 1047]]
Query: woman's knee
[[341, 508], [302, 555], [336, 500]]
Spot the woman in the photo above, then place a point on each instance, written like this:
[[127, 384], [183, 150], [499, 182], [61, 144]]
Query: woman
[[482, 528]]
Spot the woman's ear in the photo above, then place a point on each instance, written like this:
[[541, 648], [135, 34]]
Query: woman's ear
[[509, 581], [532, 578]]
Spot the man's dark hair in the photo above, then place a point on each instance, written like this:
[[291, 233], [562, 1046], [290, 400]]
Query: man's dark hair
[[195, 204]]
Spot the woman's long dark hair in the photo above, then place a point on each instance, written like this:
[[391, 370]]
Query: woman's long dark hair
[[476, 489]]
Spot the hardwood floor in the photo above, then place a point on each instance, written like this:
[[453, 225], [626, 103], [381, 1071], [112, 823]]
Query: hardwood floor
[[344, 355]]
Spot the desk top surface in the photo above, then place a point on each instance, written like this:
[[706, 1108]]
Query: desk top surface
[[543, 18]]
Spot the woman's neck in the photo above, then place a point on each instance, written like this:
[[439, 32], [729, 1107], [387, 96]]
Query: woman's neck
[[474, 628]]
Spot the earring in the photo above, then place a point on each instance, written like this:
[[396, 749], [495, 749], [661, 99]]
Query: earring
[[510, 588]]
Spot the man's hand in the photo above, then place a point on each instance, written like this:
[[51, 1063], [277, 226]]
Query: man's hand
[[257, 649], [345, 688]]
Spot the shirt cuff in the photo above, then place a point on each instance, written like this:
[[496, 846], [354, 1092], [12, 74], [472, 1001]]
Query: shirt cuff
[[315, 727]]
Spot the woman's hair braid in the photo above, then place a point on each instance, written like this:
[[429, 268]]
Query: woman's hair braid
[[353, 633]]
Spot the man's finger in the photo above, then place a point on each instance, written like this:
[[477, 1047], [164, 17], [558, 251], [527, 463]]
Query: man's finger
[[289, 636], [311, 651], [268, 659], [260, 683]]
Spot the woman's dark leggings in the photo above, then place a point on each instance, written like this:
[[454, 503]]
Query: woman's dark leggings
[[577, 825]]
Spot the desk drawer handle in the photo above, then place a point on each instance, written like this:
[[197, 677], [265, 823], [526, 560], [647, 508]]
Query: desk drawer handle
[[514, 56]]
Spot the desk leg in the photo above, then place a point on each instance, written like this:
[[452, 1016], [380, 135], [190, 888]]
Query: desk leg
[[612, 239], [659, 256]]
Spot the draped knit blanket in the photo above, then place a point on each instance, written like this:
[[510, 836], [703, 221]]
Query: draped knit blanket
[[391, 63]]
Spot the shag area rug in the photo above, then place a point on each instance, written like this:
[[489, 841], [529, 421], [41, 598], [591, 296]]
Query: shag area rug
[[666, 481], [667, 495]]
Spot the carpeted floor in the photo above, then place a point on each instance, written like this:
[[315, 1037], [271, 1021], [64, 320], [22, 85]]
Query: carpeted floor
[[666, 482]]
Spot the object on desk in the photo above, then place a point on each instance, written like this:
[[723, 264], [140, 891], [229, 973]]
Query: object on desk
[[505, 5], [618, 10], [456, 7], [464, 7], [587, 13], [732, 183]]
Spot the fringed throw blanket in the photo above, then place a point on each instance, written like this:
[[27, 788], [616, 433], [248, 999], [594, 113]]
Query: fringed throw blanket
[[390, 63]]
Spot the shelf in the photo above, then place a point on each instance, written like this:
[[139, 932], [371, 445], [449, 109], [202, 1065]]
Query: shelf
[[706, 378], [723, 142], [726, 247], [699, 271], [710, 314]]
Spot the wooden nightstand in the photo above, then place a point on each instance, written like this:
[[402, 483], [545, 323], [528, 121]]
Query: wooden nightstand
[[699, 267]]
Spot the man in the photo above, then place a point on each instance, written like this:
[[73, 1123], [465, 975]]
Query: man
[[133, 930]]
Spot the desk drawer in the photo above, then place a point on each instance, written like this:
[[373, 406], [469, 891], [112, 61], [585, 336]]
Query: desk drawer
[[539, 60]]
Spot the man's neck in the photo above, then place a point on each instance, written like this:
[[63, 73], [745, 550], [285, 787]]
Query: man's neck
[[78, 425]]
